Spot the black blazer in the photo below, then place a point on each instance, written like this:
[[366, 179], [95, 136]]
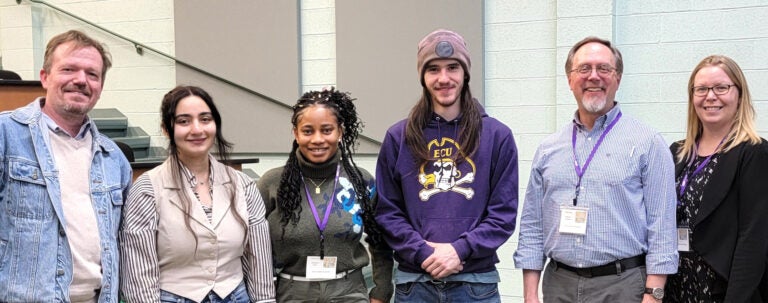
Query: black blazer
[[731, 227]]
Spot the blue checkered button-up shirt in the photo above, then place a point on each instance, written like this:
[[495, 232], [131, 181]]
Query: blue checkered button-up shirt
[[628, 188]]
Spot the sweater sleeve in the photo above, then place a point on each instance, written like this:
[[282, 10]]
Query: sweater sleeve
[[382, 265], [501, 211], [381, 262], [390, 210], [257, 258], [139, 271]]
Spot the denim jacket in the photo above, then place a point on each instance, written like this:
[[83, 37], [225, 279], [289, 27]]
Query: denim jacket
[[35, 257]]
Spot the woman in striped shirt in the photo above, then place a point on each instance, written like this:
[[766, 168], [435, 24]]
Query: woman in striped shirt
[[194, 229]]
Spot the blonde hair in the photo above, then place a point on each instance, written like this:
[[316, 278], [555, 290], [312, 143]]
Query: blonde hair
[[743, 127]]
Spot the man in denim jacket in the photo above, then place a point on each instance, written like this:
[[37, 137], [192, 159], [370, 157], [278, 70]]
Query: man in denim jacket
[[62, 185]]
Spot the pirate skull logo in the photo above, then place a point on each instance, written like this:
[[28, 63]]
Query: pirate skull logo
[[445, 174]]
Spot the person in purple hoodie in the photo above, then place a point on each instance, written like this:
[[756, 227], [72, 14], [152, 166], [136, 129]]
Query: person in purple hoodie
[[447, 179]]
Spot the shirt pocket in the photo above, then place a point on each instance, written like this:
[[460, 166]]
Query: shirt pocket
[[28, 194], [116, 196], [624, 184]]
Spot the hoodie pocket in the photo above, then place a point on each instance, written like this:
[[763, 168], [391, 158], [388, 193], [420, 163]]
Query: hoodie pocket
[[446, 230]]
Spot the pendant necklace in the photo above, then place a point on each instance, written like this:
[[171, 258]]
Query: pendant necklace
[[317, 186]]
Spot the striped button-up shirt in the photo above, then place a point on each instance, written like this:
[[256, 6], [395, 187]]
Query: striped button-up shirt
[[153, 252], [628, 189]]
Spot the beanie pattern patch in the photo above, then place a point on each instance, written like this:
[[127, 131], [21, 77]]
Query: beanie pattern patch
[[442, 44]]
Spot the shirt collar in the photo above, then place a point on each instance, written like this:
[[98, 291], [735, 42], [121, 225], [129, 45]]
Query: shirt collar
[[57, 129], [602, 121]]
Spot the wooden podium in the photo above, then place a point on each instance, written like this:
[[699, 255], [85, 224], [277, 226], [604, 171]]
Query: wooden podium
[[18, 93]]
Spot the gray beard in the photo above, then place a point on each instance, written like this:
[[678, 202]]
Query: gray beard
[[595, 107]]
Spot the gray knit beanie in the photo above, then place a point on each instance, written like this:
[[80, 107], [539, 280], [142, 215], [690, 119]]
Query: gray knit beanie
[[442, 44]]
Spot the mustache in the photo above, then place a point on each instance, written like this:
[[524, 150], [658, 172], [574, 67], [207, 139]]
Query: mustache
[[77, 89]]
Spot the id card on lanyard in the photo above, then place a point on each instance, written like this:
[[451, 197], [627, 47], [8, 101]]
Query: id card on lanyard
[[683, 239], [573, 219], [683, 230], [322, 267]]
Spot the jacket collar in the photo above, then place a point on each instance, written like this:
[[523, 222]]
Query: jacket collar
[[32, 114], [223, 189], [720, 182]]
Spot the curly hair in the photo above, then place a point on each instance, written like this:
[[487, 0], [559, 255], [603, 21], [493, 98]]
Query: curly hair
[[289, 192]]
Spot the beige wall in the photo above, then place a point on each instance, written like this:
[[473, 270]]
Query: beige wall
[[254, 44], [376, 44]]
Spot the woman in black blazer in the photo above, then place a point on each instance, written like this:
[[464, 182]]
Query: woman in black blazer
[[722, 187]]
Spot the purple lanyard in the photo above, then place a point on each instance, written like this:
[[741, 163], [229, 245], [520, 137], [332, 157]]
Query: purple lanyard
[[321, 224], [684, 183], [580, 171]]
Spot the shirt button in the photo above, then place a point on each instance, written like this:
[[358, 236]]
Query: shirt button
[[210, 268], [59, 272], [578, 240], [580, 265], [210, 282], [589, 138]]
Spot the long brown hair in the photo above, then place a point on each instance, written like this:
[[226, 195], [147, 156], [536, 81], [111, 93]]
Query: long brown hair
[[223, 147], [470, 124]]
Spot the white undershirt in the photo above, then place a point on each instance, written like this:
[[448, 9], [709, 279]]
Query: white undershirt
[[73, 160]]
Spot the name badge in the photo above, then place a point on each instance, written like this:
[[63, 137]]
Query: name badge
[[324, 268], [683, 241], [573, 220]]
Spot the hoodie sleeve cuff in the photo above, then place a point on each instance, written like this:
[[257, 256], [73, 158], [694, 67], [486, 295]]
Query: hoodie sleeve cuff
[[462, 248], [423, 253]]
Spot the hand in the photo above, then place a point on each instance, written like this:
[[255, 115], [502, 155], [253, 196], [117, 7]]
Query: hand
[[443, 262], [374, 300]]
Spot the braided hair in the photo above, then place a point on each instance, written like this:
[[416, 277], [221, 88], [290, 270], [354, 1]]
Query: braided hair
[[289, 192]]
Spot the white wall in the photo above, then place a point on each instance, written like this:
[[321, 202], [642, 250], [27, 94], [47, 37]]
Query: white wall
[[661, 42], [135, 84], [318, 44], [526, 44]]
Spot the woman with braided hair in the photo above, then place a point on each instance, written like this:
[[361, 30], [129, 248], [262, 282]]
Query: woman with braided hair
[[319, 205]]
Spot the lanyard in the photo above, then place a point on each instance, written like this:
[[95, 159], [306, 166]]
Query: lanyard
[[580, 171], [684, 183], [322, 224]]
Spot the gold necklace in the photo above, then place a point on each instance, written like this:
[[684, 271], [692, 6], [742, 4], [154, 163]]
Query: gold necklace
[[317, 186]]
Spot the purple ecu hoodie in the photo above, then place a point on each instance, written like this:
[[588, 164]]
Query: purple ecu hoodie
[[471, 204]]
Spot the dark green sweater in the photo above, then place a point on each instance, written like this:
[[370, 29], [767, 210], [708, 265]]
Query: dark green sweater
[[342, 234]]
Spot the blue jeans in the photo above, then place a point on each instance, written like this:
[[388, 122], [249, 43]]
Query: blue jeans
[[447, 292], [239, 295]]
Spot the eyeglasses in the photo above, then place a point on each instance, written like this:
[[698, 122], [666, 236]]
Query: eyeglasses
[[602, 70], [721, 89]]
